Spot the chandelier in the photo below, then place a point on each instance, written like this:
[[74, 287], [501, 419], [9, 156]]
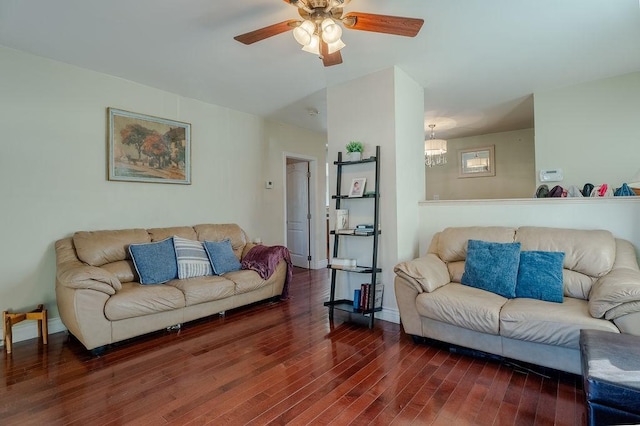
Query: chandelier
[[435, 150]]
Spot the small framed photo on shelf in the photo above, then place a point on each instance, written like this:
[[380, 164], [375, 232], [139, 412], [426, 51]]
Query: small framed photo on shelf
[[357, 187]]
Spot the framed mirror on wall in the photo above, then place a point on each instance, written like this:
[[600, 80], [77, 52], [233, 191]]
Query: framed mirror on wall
[[477, 162]]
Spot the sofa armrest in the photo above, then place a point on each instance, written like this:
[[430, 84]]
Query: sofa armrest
[[89, 277], [72, 273], [615, 294], [246, 249], [425, 274]]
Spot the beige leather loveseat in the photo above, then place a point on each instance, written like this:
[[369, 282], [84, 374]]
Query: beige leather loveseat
[[601, 284], [101, 301]]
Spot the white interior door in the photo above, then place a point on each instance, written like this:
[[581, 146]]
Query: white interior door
[[298, 213]]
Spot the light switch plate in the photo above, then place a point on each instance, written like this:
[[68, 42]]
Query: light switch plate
[[268, 184]]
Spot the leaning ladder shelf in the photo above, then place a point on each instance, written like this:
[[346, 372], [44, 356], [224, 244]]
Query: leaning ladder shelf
[[372, 271]]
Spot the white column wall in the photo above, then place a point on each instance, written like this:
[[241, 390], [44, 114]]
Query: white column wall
[[385, 108]]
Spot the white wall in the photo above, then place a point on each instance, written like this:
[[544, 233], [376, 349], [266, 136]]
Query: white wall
[[53, 168], [514, 165], [282, 140], [590, 130]]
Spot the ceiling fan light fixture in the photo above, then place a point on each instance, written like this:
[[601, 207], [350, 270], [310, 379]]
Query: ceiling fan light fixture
[[313, 46], [331, 32], [304, 32], [335, 46]]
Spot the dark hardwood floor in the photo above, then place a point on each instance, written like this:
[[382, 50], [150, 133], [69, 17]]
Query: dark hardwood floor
[[279, 363]]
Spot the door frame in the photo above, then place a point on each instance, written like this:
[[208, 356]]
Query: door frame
[[313, 194]]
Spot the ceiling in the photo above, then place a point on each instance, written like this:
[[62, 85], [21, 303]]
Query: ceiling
[[478, 61]]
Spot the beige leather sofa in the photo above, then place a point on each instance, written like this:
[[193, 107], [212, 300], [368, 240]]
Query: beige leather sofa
[[601, 291], [101, 302]]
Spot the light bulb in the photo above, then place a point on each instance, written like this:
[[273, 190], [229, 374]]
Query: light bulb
[[335, 46], [313, 46], [303, 32], [331, 32]]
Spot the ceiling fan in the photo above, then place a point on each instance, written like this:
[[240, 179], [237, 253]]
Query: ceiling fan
[[318, 32]]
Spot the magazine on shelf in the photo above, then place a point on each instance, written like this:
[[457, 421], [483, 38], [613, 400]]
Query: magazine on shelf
[[349, 231], [342, 219]]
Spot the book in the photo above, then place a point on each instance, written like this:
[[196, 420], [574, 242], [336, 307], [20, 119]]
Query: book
[[366, 225], [363, 231], [368, 300]]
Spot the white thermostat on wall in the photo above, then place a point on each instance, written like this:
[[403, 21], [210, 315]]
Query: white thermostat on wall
[[551, 175]]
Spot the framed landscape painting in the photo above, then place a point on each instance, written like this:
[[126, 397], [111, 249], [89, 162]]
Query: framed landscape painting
[[143, 148]]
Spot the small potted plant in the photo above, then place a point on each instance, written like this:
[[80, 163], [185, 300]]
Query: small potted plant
[[354, 150]]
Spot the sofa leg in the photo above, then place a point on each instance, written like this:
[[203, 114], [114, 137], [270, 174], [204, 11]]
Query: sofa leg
[[99, 351], [418, 340]]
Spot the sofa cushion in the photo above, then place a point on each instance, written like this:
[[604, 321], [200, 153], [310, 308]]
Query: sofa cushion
[[123, 269], [221, 256], [549, 323], [540, 275], [97, 248], [219, 232], [158, 234], [155, 262], [590, 252], [464, 306], [135, 300], [204, 289], [492, 266], [452, 242], [191, 257]]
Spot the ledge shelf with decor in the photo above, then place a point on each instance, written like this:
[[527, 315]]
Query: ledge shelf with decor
[[374, 300]]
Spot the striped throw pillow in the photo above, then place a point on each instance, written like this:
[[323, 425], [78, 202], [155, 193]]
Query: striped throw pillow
[[192, 259]]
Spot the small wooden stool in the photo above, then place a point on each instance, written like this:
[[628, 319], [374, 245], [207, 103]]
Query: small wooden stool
[[9, 320]]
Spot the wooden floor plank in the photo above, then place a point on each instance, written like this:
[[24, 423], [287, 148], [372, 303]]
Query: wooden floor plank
[[278, 362]]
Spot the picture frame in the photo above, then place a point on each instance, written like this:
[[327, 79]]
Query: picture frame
[[477, 162], [357, 187], [143, 148]]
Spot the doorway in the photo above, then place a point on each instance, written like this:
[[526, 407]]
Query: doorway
[[298, 211]]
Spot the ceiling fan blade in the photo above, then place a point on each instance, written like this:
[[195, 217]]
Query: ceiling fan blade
[[398, 25], [329, 59], [266, 32]]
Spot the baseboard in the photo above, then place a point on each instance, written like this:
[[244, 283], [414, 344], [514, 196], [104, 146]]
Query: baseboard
[[29, 330], [320, 264], [389, 314]]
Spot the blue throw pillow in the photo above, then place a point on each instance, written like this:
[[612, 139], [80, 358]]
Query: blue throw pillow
[[492, 267], [540, 275], [155, 262], [221, 256]]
